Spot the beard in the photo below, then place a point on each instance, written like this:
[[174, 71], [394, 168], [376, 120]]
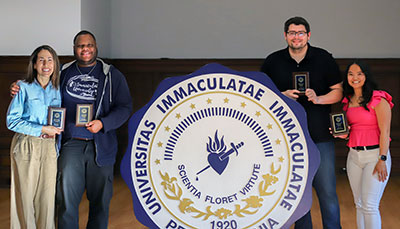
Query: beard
[[89, 62], [297, 47]]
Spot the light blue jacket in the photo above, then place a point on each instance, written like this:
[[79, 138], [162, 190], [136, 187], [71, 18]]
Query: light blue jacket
[[27, 113]]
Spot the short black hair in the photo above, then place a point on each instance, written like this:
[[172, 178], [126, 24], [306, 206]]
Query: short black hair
[[84, 32], [297, 21]]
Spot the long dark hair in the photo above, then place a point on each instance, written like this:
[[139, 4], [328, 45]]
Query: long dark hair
[[368, 87], [32, 73]]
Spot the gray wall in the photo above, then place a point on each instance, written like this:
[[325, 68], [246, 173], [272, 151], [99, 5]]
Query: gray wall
[[200, 28], [26, 24], [251, 28], [96, 18]]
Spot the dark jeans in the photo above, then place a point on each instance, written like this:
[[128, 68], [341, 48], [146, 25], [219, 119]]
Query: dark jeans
[[324, 184], [77, 171]]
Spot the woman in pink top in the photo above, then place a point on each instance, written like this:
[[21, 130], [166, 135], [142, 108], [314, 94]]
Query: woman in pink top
[[368, 163]]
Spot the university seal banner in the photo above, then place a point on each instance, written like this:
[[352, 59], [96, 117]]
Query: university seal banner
[[219, 149]]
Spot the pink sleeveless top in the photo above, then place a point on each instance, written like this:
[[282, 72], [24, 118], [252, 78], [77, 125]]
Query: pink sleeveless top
[[364, 129]]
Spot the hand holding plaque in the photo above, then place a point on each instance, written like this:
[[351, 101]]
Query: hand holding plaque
[[56, 117], [339, 124], [84, 114], [301, 81]]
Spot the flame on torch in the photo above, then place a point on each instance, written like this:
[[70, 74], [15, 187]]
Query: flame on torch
[[217, 146]]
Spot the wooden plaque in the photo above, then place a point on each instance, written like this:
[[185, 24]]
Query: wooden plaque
[[301, 81], [339, 124], [56, 117], [84, 114]]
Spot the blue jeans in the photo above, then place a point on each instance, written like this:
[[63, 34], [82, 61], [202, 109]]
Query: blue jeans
[[324, 184], [77, 171]]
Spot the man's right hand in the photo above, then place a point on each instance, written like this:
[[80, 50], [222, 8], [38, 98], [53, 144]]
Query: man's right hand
[[293, 94], [14, 89]]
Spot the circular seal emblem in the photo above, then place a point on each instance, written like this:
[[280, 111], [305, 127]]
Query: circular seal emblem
[[218, 149]]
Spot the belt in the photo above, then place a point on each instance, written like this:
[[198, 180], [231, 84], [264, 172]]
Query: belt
[[365, 147], [83, 139]]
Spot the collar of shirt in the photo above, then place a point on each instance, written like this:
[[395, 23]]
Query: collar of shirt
[[308, 56], [49, 85]]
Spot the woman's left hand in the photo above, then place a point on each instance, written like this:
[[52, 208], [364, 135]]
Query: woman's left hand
[[380, 169]]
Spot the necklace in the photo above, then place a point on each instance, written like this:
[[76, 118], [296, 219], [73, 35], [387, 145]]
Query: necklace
[[91, 70]]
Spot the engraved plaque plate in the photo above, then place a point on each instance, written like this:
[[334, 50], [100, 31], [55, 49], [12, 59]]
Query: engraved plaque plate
[[339, 124], [301, 81], [84, 113], [56, 117]]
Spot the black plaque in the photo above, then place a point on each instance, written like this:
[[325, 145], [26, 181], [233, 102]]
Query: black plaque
[[301, 81], [84, 114], [339, 124], [56, 117]]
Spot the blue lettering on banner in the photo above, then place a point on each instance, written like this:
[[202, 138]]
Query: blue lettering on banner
[[233, 85], [252, 180], [173, 224], [186, 181], [297, 155], [269, 224], [141, 167], [221, 200]]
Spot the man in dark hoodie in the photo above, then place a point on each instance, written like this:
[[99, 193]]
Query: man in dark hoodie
[[88, 152]]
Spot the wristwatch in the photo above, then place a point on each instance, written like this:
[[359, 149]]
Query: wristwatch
[[382, 157]]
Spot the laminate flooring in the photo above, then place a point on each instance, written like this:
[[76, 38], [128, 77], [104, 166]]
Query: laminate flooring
[[122, 215]]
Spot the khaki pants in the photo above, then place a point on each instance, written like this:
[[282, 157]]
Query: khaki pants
[[33, 182]]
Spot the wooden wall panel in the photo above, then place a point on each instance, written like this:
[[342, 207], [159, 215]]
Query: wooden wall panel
[[144, 75]]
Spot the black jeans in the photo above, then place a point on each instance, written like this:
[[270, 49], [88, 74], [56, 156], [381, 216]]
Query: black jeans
[[77, 171]]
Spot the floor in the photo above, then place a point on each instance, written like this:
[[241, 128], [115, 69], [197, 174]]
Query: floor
[[122, 216]]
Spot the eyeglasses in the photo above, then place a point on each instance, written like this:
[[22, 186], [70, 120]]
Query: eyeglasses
[[294, 33]]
